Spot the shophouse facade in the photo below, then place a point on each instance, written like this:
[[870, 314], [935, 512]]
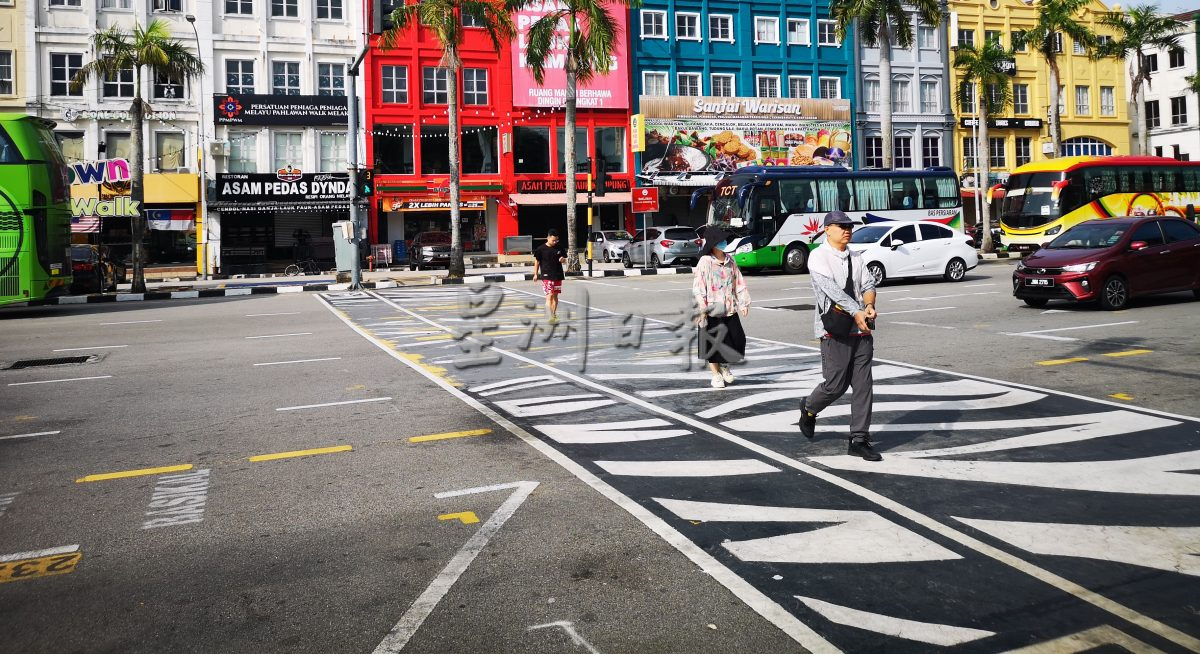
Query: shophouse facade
[[1094, 116], [17, 61], [1171, 111]]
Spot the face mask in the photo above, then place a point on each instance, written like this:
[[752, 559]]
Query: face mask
[[721, 246]]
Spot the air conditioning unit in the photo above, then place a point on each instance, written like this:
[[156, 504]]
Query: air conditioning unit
[[219, 148]]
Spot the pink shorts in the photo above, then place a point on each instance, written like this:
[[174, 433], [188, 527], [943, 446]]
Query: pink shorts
[[552, 286]]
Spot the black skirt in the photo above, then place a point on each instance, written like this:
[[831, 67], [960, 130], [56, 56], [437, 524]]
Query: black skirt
[[727, 332]]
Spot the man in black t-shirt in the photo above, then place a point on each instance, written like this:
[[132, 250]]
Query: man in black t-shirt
[[547, 266]]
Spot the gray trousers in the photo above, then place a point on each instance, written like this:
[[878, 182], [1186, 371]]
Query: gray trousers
[[846, 362]]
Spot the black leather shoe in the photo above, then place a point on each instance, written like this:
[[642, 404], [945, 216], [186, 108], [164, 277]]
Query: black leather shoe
[[863, 448], [808, 420]]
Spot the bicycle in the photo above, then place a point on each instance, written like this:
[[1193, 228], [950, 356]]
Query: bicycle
[[303, 267]]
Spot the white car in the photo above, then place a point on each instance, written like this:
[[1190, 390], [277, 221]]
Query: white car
[[608, 245], [914, 249]]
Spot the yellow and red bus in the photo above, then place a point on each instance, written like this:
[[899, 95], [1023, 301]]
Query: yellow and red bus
[[1042, 199]]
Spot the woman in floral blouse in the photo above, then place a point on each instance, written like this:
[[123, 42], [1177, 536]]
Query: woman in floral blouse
[[721, 295]]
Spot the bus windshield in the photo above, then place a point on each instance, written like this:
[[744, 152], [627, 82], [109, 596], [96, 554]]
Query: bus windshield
[[1029, 200]]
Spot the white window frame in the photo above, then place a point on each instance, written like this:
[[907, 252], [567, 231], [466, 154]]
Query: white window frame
[[69, 4], [833, 25], [656, 74], [1018, 159], [330, 6], [240, 72], [804, 31], [963, 31], [67, 71], [286, 63], [937, 97], [901, 96], [168, 83], [116, 84], [1002, 160], [475, 81], [759, 79], [1108, 109], [158, 155], [871, 101], [873, 152], [897, 157], [441, 86], [712, 84], [284, 6], [835, 80], [1084, 108], [238, 4], [298, 151], [1182, 58], [11, 78], [1021, 107], [806, 84], [727, 19], [661, 16], [764, 20], [696, 84], [105, 5], [926, 159], [168, 6], [338, 157], [1078, 48], [927, 37], [250, 154], [689, 17], [398, 84], [333, 69]]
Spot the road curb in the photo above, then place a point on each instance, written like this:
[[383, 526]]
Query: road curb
[[519, 277], [102, 298]]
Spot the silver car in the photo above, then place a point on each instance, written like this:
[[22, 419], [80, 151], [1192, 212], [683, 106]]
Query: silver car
[[664, 246], [608, 245]]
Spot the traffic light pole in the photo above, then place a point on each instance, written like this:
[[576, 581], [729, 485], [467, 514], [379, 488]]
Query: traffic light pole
[[589, 240], [356, 221]]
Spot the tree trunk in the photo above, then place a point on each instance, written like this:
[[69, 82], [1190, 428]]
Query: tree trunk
[[569, 145], [137, 189], [1139, 104], [885, 94], [1055, 131], [983, 155], [457, 267]]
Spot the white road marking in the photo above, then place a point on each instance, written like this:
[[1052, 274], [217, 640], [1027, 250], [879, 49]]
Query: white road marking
[[178, 500], [94, 347], [896, 313], [279, 335], [281, 363], [922, 632], [680, 468], [318, 406], [1046, 337], [1089, 640], [412, 619], [6, 499], [129, 322], [511, 385], [1067, 329], [544, 406], [55, 381], [283, 313], [782, 299], [569, 628], [978, 285], [921, 324], [941, 297], [37, 554], [629, 431], [40, 433]]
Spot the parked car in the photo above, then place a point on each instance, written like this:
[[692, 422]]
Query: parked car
[[93, 271], [1111, 261], [608, 245], [914, 249], [429, 249], [663, 246]]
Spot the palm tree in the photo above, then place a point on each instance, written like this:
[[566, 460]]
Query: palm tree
[[1055, 18], [151, 50], [444, 19], [592, 38], [1143, 27], [1193, 83], [879, 22], [988, 88]]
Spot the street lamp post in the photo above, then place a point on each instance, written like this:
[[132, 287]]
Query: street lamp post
[[203, 172]]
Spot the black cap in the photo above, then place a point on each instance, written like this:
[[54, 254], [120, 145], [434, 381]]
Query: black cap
[[837, 217], [712, 236]]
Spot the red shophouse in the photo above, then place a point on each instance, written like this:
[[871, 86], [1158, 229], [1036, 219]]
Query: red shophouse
[[511, 150]]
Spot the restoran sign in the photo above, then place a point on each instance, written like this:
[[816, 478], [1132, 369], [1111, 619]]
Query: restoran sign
[[283, 187], [609, 91]]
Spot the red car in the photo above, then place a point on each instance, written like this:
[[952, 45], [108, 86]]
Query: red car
[[1112, 260]]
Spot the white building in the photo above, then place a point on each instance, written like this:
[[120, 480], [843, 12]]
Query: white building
[[1171, 112]]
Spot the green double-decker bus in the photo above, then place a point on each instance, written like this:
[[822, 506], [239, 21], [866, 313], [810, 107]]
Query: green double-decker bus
[[35, 211]]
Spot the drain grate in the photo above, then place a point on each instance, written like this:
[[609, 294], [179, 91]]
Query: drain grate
[[58, 361]]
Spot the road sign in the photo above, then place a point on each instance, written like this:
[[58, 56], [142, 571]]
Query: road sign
[[645, 200]]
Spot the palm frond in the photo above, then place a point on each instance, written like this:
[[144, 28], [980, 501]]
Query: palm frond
[[542, 41]]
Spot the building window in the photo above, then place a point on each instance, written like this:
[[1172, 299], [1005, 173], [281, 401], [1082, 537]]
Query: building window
[[1018, 40], [1158, 150], [167, 87], [926, 38], [1079, 48], [1062, 100], [66, 3], [996, 152], [475, 86], [288, 150], [285, 78], [797, 32], [830, 87], [871, 95], [827, 33], [902, 152], [104, 4], [168, 5], [63, 68], [394, 149], [901, 96], [581, 147], [991, 36], [395, 84], [766, 30], [333, 152], [767, 86], [434, 141], [929, 97], [722, 85], [966, 38], [1020, 93], [168, 149], [1058, 42], [654, 24], [329, 9], [1152, 115], [931, 153], [1085, 146], [239, 76], [243, 152], [331, 79], [71, 145], [688, 83], [610, 147], [239, 7], [968, 150], [470, 21], [1152, 63], [967, 100], [798, 86], [720, 27], [654, 83], [1175, 58], [1083, 101], [873, 155], [1024, 150], [687, 27], [1179, 111], [119, 84], [435, 89], [531, 150], [1108, 101], [285, 8], [480, 151], [6, 72]]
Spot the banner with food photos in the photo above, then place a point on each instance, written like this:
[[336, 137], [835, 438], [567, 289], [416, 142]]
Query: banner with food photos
[[714, 135]]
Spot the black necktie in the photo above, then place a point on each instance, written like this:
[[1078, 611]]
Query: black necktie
[[849, 278]]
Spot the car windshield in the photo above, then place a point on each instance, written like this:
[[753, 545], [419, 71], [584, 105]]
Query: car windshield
[[869, 234], [1089, 236], [680, 234], [435, 238], [1029, 200], [617, 236]]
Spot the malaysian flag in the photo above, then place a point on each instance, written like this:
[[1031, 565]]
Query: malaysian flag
[[85, 224], [179, 220]]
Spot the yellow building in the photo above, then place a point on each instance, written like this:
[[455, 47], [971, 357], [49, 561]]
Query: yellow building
[[1093, 116], [14, 48]]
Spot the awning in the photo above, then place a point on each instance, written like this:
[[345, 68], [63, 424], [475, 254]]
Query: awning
[[433, 203], [275, 207], [561, 198], [171, 220]]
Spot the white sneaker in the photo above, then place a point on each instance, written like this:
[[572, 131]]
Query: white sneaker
[[726, 375], [717, 382]]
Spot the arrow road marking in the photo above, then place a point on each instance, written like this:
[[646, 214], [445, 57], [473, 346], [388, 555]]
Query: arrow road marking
[[922, 632], [568, 627]]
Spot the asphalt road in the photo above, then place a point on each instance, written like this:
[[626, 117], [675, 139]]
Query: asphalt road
[[544, 514]]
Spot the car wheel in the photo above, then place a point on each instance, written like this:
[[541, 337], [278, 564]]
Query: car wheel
[[956, 270], [654, 262], [876, 270], [1196, 293], [1036, 302], [1115, 294], [626, 261], [795, 260]]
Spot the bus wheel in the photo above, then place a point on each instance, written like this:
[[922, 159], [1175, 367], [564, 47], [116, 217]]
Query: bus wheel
[[876, 270], [956, 270], [795, 260], [1115, 294]]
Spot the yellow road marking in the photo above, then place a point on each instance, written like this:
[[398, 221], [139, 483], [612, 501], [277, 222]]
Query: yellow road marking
[[466, 517], [442, 307], [1128, 353], [296, 453], [1059, 362], [1121, 396], [43, 566], [449, 435], [437, 337], [134, 473]]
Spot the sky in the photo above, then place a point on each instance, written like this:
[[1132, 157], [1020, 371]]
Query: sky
[[1167, 6]]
